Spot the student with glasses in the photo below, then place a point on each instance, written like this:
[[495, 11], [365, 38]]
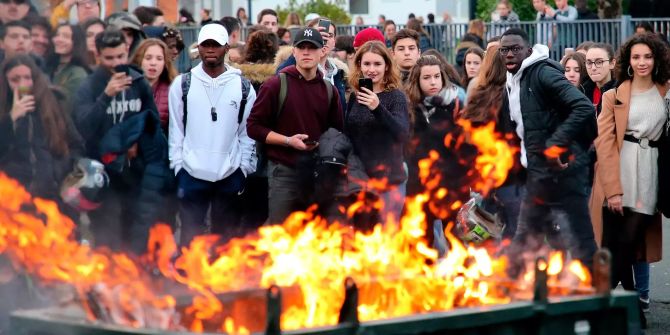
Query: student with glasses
[[117, 117], [86, 9], [556, 124], [600, 63], [14, 10]]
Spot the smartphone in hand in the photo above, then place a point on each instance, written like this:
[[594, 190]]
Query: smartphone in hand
[[325, 24], [310, 143], [122, 68], [365, 82]]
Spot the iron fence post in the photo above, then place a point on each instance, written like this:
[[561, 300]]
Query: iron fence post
[[626, 27]]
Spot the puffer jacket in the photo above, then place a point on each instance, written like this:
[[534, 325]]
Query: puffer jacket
[[335, 149], [151, 164], [555, 113]]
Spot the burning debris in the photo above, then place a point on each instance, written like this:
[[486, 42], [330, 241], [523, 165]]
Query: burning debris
[[214, 287]]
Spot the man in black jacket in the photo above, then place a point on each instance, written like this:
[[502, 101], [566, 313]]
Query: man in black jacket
[[117, 117], [556, 124]]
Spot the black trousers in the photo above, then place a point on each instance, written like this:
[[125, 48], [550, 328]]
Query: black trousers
[[624, 237], [558, 214]]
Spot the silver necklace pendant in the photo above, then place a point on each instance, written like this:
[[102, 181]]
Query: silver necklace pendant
[[214, 116]]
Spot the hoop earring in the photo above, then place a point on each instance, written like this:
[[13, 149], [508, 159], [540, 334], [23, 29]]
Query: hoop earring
[[629, 71]]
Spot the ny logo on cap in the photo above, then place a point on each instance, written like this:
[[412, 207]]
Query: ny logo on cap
[[307, 33]]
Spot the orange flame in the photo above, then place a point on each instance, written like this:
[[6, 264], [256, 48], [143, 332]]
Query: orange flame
[[554, 151], [395, 269]]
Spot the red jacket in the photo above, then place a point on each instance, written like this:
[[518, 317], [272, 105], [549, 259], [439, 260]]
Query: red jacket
[[306, 111]]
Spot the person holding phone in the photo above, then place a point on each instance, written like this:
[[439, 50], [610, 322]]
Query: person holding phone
[[113, 103], [332, 69], [290, 131], [37, 138], [377, 122]]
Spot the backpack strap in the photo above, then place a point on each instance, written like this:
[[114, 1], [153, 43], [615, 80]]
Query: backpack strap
[[283, 91], [246, 87], [329, 87], [185, 86]]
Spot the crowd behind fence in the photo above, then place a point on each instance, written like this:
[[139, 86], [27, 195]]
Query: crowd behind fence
[[559, 35]]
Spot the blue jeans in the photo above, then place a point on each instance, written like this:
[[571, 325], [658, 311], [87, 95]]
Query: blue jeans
[[641, 272], [394, 202]]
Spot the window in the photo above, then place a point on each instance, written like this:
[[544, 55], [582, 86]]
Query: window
[[358, 6]]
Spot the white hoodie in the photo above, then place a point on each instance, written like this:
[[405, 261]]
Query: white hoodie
[[211, 150], [540, 52]]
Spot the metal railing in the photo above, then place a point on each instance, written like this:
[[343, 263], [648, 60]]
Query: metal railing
[[446, 38]]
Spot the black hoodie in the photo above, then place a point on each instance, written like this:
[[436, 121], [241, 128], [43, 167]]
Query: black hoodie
[[95, 112]]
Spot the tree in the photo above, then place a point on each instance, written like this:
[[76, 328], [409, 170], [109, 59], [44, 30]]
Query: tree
[[328, 8]]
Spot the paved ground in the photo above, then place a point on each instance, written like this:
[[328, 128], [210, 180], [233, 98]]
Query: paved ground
[[659, 317]]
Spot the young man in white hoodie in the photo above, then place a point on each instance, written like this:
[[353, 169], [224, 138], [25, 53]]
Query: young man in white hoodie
[[556, 124], [210, 151]]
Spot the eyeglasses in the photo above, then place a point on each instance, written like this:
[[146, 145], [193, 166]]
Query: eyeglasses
[[598, 63], [515, 50]]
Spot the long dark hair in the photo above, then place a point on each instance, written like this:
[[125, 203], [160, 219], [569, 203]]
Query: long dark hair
[[660, 73], [413, 86], [485, 99], [475, 51], [79, 51], [581, 62], [46, 104]]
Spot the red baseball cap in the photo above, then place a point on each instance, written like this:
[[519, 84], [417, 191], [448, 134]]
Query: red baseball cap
[[368, 34]]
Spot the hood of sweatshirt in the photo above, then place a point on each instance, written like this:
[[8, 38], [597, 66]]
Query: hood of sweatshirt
[[293, 72], [212, 84], [540, 53]]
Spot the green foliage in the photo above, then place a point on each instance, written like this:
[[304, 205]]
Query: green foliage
[[326, 8], [523, 8]]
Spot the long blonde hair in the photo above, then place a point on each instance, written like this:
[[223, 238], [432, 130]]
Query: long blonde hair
[[391, 75]]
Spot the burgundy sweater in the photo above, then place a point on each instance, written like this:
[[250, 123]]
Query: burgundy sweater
[[306, 111]]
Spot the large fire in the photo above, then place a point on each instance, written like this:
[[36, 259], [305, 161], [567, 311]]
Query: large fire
[[396, 271]]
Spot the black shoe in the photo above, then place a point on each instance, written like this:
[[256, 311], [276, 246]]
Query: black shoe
[[644, 304]]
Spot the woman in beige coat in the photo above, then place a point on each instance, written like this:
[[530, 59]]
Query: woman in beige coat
[[626, 186]]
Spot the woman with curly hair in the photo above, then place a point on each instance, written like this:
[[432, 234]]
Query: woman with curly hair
[[631, 184], [261, 47]]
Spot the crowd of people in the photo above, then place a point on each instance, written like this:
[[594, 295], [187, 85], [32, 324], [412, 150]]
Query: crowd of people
[[96, 117]]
